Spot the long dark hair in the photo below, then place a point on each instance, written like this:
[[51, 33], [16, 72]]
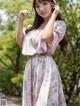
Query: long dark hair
[[38, 20]]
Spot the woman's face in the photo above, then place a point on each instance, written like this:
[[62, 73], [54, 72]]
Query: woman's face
[[44, 9]]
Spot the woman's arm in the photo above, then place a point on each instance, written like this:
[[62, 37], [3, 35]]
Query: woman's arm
[[19, 32], [48, 30]]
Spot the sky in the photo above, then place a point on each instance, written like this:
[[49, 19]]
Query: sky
[[73, 1], [2, 14]]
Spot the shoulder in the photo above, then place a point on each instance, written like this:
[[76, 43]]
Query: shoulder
[[60, 23]]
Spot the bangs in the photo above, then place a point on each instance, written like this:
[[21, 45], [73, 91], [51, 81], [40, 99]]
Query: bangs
[[41, 1]]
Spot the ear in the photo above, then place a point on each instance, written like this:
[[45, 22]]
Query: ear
[[53, 8]]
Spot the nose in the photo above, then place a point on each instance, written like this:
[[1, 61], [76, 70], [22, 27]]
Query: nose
[[41, 8]]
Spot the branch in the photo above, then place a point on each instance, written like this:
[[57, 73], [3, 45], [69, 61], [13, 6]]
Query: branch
[[10, 59], [3, 62]]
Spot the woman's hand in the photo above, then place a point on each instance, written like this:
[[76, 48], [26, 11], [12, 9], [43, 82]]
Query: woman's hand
[[56, 9], [23, 14]]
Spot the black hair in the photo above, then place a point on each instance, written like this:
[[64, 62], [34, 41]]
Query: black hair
[[38, 20]]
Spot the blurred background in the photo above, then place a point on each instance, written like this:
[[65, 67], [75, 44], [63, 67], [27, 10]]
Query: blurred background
[[12, 62]]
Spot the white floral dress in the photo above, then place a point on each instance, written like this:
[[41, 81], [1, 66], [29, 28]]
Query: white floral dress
[[42, 84]]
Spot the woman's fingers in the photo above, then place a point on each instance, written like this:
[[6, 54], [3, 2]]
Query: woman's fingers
[[23, 14], [56, 7], [53, 5]]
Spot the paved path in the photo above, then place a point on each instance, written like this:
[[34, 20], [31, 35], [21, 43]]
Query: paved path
[[11, 101]]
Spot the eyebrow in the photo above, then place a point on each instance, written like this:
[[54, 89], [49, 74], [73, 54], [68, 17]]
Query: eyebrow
[[36, 3], [41, 2]]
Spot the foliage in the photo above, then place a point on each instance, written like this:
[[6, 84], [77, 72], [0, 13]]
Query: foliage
[[11, 60], [70, 66]]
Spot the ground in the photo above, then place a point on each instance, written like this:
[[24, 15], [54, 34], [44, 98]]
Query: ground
[[11, 101]]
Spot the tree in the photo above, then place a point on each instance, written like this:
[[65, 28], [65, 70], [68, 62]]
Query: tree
[[11, 60], [70, 67]]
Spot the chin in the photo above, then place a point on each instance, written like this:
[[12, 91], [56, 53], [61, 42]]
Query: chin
[[45, 16]]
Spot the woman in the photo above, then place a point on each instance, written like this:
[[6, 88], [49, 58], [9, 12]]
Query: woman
[[42, 84]]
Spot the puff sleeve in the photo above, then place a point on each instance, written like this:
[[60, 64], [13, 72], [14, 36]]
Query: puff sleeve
[[60, 29], [58, 34]]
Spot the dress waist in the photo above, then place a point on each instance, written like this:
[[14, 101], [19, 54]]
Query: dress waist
[[39, 55]]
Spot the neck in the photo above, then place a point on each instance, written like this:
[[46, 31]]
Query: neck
[[47, 19]]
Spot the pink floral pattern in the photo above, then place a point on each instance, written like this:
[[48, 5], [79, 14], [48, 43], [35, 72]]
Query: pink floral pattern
[[42, 84]]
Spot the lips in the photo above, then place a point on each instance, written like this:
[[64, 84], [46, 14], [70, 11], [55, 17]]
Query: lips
[[43, 13]]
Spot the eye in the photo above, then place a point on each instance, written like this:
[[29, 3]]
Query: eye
[[44, 3], [36, 6]]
